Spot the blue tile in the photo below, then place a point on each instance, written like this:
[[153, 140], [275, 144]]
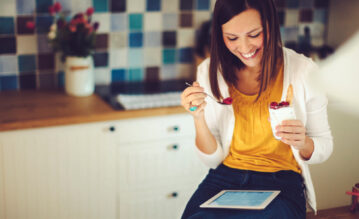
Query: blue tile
[[136, 21], [185, 55], [136, 39], [100, 59], [100, 5], [60, 79], [42, 6], [135, 74], [27, 63], [7, 25], [292, 3], [25, 7], [118, 75], [169, 56], [153, 39], [8, 45], [202, 4], [153, 5], [135, 57], [8, 82], [320, 15], [8, 64], [43, 24], [119, 22], [306, 3]]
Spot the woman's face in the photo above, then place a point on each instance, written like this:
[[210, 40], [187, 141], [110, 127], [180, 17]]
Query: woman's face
[[243, 36]]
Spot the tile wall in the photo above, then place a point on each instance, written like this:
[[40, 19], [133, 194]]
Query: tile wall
[[138, 40]]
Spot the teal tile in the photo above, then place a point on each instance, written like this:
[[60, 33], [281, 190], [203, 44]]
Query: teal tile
[[27, 63], [100, 5], [135, 74], [135, 57], [7, 25], [169, 56], [136, 21], [8, 82]]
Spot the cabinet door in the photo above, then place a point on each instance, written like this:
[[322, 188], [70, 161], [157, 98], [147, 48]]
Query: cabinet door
[[62, 172]]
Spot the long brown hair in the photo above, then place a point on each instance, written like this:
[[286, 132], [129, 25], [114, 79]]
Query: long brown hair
[[227, 63]]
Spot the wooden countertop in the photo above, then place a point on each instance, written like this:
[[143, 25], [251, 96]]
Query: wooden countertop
[[34, 109]]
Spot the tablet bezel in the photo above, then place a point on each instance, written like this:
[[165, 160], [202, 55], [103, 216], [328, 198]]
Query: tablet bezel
[[262, 206]]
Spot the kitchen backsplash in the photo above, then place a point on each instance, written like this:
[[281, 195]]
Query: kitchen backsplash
[[138, 40]]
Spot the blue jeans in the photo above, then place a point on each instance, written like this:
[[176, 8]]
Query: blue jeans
[[289, 204]]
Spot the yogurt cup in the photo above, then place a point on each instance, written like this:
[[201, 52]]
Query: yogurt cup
[[280, 114]]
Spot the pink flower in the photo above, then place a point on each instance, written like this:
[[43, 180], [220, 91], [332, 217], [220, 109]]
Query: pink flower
[[57, 7], [30, 25], [90, 11], [72, 28], [52, 10]]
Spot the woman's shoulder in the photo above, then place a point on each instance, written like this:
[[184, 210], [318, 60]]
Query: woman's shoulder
[[298, 64], [295, 58]]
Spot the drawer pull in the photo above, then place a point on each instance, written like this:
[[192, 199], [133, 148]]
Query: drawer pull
[[173, 147], [112, 129], [173, 195], [175, 128]]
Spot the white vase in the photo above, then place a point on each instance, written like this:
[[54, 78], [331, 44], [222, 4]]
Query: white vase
[[79, 76]]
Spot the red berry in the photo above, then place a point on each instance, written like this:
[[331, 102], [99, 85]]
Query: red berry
[[285, 103], [273, 105], [228, 100]]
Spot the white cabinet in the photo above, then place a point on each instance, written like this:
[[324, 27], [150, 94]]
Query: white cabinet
[[133, 168], [65, 172], [158, 169]]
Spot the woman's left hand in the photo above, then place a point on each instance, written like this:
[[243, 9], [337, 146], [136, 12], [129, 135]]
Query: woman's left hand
[[292, 132]]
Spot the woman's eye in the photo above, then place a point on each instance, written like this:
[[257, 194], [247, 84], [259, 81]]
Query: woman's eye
[[254, 36], [232, 39]]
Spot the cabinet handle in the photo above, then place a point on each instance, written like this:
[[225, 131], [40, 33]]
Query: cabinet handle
[[174, 128], [173, 195], [112, 129], [173, 147]]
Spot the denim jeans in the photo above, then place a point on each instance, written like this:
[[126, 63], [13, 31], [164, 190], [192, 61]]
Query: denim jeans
[[289, 204]]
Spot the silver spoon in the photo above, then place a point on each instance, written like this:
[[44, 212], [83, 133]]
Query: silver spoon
[[225, 101]]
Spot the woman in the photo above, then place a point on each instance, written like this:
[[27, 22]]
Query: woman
[[249, 64]]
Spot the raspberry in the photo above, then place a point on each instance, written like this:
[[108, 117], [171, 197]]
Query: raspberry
[[227, 100], [274, 105]]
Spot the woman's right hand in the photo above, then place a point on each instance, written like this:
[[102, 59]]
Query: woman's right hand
[[194, 97]]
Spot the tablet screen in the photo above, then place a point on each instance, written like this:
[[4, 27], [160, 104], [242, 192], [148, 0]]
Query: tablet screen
[[241, 199]]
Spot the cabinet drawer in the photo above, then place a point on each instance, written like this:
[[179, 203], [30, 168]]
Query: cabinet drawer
[[144, 129], [146, 165], [167, 202]]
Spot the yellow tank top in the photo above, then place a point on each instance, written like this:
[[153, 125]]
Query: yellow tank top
[[253, 146]]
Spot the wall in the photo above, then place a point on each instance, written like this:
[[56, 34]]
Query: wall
[[343, 21], [138, 40]]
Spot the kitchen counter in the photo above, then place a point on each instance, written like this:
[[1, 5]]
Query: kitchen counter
[[35, 109]]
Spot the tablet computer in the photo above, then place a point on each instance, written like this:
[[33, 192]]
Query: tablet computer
[[241, 199]]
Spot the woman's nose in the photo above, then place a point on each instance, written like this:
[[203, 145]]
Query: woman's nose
[[243, 46]]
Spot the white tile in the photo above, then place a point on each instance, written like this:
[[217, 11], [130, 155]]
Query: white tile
[[7, 8], [213, 2], [170, 5], [153, 21], [291, 18], [135, 6], [186, 71], [26, 44], [80, 5], [102, 76], [118, 40], [199, 17], [153, 56], [186, 37], [118, 58], [168, 72], [104, 21]]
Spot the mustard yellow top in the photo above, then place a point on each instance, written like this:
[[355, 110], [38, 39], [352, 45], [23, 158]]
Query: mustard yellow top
[[253, 146]]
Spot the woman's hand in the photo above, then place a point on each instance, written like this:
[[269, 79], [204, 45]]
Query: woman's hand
[[193, 97], [292, 132]]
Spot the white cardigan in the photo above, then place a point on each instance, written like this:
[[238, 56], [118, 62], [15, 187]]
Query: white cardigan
[[310, 107]]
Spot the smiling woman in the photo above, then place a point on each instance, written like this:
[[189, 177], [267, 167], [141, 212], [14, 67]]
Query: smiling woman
[[248, 63]]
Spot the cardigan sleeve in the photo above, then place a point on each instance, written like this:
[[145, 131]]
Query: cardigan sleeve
[[214, 159], [317, 125]]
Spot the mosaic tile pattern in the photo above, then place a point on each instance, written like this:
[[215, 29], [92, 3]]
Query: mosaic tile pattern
[[138, 40]]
